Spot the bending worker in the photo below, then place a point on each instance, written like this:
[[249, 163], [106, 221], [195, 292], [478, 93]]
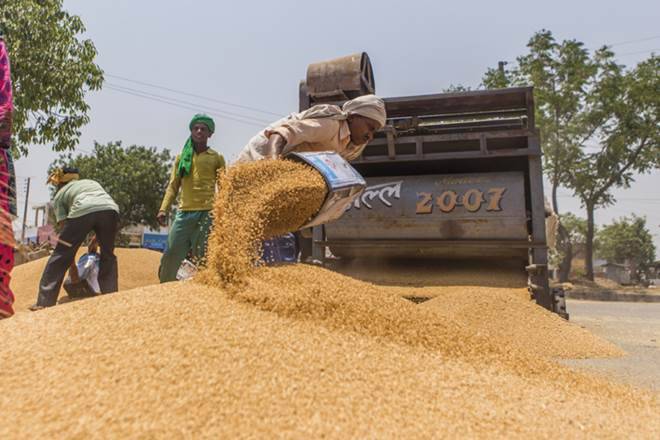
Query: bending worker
[[324, 127], [195, 171], [81, 206]]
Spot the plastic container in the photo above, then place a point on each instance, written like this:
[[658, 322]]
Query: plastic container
[[186, 271]]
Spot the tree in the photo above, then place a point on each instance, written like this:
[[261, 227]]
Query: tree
[[52, 69], [136, 177], [560, 74], [573, 236], [628, 141], [627, 240], [586, 102]]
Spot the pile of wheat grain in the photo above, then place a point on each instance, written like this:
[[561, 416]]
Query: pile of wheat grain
[[300, 351], [137, 267], [461, 319], [188, 360]]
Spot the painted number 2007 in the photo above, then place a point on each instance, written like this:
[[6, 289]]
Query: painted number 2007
[[471, 200]]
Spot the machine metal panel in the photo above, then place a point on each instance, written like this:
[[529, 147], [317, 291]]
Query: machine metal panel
[[483, 206]]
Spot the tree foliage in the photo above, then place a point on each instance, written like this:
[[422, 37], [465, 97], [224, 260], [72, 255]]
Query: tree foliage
[[598, 121], [563, 75], [628, 140], [627, 240], [572, 237], [52, 69], [136, 177], [576, 228]]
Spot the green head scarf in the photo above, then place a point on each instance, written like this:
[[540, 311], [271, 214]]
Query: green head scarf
[[185, 161]]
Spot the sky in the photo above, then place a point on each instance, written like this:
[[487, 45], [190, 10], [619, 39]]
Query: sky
[[242, 61]]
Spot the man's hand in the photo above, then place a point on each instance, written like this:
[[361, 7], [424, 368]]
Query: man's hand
[[275, 146], [162, 218]]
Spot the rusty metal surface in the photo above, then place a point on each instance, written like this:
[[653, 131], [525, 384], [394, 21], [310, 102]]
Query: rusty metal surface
[[341, 78], [455, 103], [426, 243], [429, 249], [485, 206], [449, 146], [456, 125], [430, 253]]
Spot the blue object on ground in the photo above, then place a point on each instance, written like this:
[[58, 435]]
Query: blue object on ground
[[281, 249], [157, 242]]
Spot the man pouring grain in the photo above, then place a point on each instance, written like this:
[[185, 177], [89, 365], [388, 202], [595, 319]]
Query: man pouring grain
[[345, 130], [195, 172], [81, 206]]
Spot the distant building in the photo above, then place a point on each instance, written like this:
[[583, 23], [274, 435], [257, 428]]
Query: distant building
[[133, 235], [654, 274], [616, 272]]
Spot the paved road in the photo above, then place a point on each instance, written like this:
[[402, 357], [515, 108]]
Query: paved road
[[635, 327]]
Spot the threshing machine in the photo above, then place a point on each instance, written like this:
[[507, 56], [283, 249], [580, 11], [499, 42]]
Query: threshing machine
[[452, 175]]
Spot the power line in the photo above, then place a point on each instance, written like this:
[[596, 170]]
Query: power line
[[638, 52], [636, 199], [187, 107], [621, 43], [192, 105], [188, 103], [193, 95]]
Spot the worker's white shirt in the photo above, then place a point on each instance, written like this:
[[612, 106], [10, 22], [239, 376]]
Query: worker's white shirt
[[319, 134]]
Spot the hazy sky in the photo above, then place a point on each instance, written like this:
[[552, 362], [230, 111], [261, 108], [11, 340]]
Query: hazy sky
[[253, 54]]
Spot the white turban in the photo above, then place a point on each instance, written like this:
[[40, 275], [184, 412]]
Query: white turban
[[369, 106]]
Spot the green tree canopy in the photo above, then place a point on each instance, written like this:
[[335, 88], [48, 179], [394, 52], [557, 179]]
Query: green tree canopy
[[627, 240], [563, 75], [576, 228], [598, 121], [52, 69], [136, 177], [626, 137], [573, 233]]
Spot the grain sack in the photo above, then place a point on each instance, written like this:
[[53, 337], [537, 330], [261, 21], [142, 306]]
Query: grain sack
[[256, 201]]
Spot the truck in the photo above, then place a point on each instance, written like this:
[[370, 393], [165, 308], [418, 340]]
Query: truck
[[451, 175]]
